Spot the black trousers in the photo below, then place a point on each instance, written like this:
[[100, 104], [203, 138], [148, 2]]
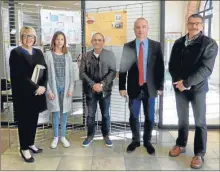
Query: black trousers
[[198, 102], [27, 125], [135, 107]]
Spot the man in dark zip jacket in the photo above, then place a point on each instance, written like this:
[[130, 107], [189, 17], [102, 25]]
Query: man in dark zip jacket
[[97, 71], [191, 63]]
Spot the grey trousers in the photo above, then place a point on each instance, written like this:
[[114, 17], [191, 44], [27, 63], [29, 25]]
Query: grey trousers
[[198, 102]]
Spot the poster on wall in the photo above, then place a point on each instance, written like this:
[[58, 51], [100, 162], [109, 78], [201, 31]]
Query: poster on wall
[[113, 25], [68, 22]]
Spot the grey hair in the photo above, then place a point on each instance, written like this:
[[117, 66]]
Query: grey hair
[[196, 16], [98, 33], [140, 18]]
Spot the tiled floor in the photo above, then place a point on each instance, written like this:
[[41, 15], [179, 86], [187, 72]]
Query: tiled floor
[[100, 157]]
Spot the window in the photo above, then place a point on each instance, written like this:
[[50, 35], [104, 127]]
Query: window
[[206, 11]]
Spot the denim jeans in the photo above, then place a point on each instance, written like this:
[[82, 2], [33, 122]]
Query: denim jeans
[[148, 106], [104, 103], [63, 116], [151, 103]]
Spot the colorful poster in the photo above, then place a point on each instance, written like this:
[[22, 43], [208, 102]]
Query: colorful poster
[[68, 22], [113, 25]]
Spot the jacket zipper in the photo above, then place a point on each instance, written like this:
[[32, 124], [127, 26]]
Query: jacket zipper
[[181, 62]]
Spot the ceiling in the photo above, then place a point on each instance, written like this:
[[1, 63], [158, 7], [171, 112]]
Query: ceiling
[[75, 5]]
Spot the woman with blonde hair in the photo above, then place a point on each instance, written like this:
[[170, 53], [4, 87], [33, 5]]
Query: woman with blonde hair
[[60, 85], [28, 97]]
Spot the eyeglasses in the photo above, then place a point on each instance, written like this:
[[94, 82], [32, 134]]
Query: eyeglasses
[[28, 36], [192, 24]]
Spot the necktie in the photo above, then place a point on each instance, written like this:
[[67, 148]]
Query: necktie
[[140, 64]]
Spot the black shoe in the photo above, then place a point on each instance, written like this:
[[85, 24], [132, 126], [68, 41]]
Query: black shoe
[[39, 150], [132, 146], [150, 148], [30, 160]]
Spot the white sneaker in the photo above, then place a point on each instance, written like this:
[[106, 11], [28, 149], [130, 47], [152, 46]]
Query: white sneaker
[[54, 143], [65, 142]]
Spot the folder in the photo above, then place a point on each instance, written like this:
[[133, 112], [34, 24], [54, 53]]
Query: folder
[[38, 73]]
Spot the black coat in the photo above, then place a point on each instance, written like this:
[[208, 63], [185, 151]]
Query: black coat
[[23, 89], [193, 63], [129, 69]]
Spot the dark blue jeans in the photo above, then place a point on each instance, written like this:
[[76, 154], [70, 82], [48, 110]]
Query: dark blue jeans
[[104, 104], [149, 110]]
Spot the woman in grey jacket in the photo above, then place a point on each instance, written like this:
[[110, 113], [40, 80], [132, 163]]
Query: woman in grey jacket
[[60, 85]]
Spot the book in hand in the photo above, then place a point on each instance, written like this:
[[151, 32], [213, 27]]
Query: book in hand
[[38, 73]]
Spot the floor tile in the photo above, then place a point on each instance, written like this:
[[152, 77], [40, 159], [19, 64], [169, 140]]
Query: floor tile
[[211, 164], [142, 163], [76, 136], [213, 136], [108, 163], [100, 149], [7, 160], [42, 162], [100, 157], [13, 150], [4, 145], [162, 149], [168, 163], [183, 162], [217, 151], [75, 163], [165, 137]]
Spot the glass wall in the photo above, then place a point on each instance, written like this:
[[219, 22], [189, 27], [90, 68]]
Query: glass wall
[[210, 11]]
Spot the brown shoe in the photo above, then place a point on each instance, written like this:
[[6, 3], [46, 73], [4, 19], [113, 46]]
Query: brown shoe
[[197, 162], [176, 151]]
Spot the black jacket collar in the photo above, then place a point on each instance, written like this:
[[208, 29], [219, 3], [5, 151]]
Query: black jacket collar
[[196, 41]]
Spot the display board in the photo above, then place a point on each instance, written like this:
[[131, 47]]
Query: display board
[[68, 22], [113, 25]]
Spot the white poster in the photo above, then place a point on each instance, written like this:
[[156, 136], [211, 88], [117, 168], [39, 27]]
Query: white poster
[[68, 22]]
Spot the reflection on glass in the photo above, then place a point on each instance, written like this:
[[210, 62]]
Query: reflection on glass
[[169, 105]]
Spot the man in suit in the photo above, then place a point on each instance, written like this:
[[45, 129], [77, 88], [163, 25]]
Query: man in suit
[[98, 70], [191, 63], [143, 67]]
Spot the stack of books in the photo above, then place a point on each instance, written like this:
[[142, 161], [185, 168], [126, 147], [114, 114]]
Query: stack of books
[[38, 73]]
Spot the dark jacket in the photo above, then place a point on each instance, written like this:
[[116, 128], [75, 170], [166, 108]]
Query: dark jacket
[[107, 70], [129, 69], [23, 89], [193, 63]]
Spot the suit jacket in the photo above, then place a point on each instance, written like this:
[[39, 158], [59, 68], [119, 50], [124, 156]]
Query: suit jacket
[[23, 88], [107, 71], [129, 69]]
